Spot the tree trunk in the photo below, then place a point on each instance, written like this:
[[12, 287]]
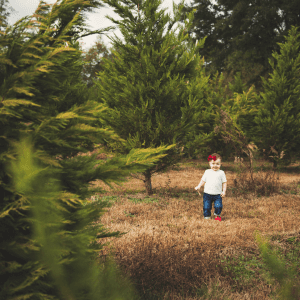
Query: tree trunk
[[147, 182]]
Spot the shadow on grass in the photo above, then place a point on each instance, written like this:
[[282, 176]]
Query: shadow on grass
[[293, 169], [195, 293], [244, 272]]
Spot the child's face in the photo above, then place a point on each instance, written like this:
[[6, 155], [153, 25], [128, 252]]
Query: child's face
[[215, 164]]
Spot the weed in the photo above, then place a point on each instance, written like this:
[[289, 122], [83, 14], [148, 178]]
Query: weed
[[292, 240], [242, 270], [97, 198], [257, 184], [293, 188], [129, 214], [281, 269]]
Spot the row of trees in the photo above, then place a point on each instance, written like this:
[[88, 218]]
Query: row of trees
[[131, 82], [242, 35], [151, 102]]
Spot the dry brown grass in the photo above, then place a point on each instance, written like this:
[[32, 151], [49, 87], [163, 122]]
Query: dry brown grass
[[170, 247]]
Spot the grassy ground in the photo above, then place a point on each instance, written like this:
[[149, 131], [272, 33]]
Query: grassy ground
[[171, 252]]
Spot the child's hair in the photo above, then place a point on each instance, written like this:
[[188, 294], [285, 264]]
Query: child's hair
[[217, 156]]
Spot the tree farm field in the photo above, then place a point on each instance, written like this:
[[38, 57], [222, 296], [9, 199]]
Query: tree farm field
[[170, 252]]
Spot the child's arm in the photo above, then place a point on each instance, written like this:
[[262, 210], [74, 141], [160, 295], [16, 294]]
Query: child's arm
[[224, 187], [198, 187]]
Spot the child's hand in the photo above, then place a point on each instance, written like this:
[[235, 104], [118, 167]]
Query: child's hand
[[197, 188], [223, 194]]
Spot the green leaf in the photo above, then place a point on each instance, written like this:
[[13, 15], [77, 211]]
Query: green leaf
[[17, 102]]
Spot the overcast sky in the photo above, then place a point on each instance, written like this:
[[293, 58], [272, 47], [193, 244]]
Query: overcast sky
[[97, 20]]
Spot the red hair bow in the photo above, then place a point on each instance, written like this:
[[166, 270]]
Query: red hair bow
[[212, 157]]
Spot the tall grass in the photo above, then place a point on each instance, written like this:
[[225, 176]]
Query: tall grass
[[253, 184]]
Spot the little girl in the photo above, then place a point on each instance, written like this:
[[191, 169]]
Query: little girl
[[214, 181]]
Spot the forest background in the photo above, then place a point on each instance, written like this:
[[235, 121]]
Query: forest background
[[146, 103]]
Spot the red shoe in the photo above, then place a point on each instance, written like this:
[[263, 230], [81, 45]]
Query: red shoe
[[218, 219]]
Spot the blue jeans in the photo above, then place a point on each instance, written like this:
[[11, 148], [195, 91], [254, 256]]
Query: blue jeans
[[207, 204]]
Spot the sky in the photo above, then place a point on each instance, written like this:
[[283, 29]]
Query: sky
[[96, 20]]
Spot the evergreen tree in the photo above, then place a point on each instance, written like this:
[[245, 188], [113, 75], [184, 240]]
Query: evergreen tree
[[93, 61], [44, 184], [218, 93], [278, 117], [242, 107], [155, 90], [237, 86], [241, 35], [58, 258]]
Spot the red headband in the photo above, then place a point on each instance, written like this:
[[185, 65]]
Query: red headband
[[212, 157]]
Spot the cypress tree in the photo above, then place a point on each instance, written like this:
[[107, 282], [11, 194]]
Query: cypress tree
[[278, 117], [155, 89], [48, 237]]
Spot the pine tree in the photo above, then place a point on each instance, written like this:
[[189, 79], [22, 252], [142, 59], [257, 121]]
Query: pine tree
[[238, 86], [93, 61], [242, 107], [155, 90], [278, 117], [44, 183], [241, 35], [58, 259]]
